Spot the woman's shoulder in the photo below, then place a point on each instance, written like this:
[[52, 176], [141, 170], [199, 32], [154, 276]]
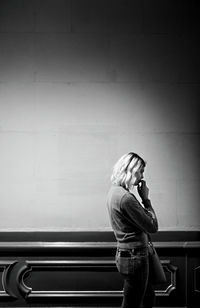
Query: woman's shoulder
[[129, 199], [119, 192]]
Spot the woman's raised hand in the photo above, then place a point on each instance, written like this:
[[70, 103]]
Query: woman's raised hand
[[143, 190]]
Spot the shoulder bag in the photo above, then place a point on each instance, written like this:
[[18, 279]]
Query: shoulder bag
[[156, 271]]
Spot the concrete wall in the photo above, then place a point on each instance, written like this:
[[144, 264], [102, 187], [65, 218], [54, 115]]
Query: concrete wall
[[83, 82]]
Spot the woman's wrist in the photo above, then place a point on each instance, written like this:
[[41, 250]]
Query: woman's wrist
[[146, 202]]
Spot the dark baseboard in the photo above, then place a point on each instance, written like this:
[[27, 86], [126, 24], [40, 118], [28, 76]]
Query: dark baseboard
[[92, 236]]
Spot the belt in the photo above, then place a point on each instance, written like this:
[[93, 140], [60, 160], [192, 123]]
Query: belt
[[131, 246], [129, 252]]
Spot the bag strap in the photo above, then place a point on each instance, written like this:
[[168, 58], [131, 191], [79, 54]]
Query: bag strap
[[149, 237], [153, 251]]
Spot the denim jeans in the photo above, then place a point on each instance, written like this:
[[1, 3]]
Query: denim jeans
[[133, 265]]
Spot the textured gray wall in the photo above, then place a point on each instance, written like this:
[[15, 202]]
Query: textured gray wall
[[83, 82]]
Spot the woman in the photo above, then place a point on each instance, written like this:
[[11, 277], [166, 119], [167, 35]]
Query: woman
[[132, 221]]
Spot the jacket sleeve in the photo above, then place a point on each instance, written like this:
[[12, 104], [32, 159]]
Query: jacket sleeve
[[144, 218]]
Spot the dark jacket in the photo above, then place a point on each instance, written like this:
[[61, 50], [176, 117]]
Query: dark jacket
[[131, 222]]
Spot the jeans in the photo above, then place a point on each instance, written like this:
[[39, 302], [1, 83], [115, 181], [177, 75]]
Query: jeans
[[133, 265]]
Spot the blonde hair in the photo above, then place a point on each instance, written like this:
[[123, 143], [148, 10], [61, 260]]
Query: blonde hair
[[125, 168]]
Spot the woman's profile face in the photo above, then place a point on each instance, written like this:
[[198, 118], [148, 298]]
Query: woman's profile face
[[137, 176]]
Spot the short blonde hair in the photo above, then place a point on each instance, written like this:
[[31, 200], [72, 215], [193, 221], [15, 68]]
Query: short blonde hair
[[125, 167]]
